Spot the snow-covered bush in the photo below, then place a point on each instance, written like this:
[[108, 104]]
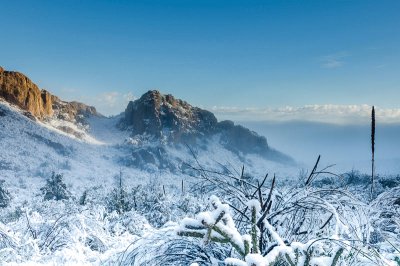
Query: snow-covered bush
[[159, 207], [318, 225], [128, 222], [94, 196], [55, 188], [151, 202], [11, 214], [5, 197], [83, 198], [118, 201], [385, 218], [6, 241], [218, 226], [164, 247], [95, 243]]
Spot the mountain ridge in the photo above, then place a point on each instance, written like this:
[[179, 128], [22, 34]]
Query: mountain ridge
[[170, 120], [16, 88], [157, 124]]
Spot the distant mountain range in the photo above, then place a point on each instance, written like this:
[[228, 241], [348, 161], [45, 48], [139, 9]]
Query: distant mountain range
[[155, 132]]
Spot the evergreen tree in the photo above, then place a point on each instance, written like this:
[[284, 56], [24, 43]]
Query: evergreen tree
[[82, 200], [5, 196], [55, 188], [118, 198]]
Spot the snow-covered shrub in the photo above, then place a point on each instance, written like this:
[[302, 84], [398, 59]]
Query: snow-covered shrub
[[385, 217], [54, 235], [118, 200], [95, 243], [150, 201], [93, 196], [6, 241], [316, 224], [55, 188], [390, 182], [356, 178], [5, 196], [218, 226], [159, 208], [11, 214], [83, 198], [128, 222], [188, 204], [164, 247]]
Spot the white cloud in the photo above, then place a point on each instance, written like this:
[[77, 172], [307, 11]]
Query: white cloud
[[111, 103], [129, 97], [329, 113], [333, 60], [108, 98]]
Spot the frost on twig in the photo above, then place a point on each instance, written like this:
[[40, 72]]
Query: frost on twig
[[218, 226]]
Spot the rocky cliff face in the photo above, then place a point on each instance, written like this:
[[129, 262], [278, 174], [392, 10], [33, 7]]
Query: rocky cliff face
[[72, 111], [175, 122], [164, 116], [18, 89], [161, 126]]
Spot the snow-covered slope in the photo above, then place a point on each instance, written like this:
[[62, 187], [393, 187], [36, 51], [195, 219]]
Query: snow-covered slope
[[161, 124], [91, 164], [98, 161], [32, 150]]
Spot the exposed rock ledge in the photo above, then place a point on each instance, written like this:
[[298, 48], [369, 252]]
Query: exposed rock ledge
[[19, 90]]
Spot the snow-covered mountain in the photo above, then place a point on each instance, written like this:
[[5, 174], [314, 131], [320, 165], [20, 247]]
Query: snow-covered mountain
[[79, 188], [157, 133], [159, 123], [153, 147]]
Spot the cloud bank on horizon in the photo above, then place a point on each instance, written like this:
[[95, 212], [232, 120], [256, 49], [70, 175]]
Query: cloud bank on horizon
[[113, 103], [325, 113]]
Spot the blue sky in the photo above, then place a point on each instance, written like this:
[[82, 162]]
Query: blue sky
[[241, 54]]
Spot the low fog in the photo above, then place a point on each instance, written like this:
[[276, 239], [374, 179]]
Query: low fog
[[346, 146]]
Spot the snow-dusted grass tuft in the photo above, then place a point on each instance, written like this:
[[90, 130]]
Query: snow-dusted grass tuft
[[296, 225]]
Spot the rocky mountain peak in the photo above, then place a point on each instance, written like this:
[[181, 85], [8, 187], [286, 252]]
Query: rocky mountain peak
[[162, 115], [18, 89], [175, 122]]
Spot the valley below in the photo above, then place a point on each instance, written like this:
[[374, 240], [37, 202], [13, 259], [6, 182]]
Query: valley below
[[167, 183]]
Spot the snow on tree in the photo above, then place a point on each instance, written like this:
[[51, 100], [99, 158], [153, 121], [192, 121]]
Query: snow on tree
[[55, 188], [5, 197], [118, 198]]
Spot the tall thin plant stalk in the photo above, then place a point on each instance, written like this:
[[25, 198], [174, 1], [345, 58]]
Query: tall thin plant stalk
[[372, 148]]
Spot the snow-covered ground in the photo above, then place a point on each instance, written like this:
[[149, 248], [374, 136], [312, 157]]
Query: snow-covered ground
[[32, 150], [83, 230]]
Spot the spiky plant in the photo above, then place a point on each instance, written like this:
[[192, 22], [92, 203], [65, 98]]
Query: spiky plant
[[372, 149]]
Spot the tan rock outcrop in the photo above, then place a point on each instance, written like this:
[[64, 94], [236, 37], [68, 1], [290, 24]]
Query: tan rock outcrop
[[71, 111], [18, 89]]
